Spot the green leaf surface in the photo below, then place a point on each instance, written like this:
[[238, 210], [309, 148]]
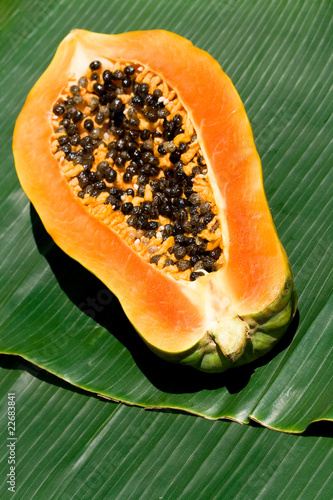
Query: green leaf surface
[[72, 446], [61, 318]]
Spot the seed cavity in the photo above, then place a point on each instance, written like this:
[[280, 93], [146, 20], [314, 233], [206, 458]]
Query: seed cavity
[[130, 154]]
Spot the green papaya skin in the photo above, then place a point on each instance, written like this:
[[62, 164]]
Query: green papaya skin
[[261, 330]]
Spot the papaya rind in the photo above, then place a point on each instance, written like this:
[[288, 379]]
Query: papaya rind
[[265, 329]]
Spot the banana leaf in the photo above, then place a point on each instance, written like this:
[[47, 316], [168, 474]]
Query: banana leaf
[[74, 446], [55, 314], [62, 345]]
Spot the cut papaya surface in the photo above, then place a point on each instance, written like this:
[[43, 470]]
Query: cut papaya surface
[[136, 151]]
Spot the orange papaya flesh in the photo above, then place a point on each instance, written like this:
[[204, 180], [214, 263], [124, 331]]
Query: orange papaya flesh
[[226, 316]]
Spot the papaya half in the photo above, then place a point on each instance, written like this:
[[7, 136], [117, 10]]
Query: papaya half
[[137, 153]]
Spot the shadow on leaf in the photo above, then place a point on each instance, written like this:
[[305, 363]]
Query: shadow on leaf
[[14, 362]]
